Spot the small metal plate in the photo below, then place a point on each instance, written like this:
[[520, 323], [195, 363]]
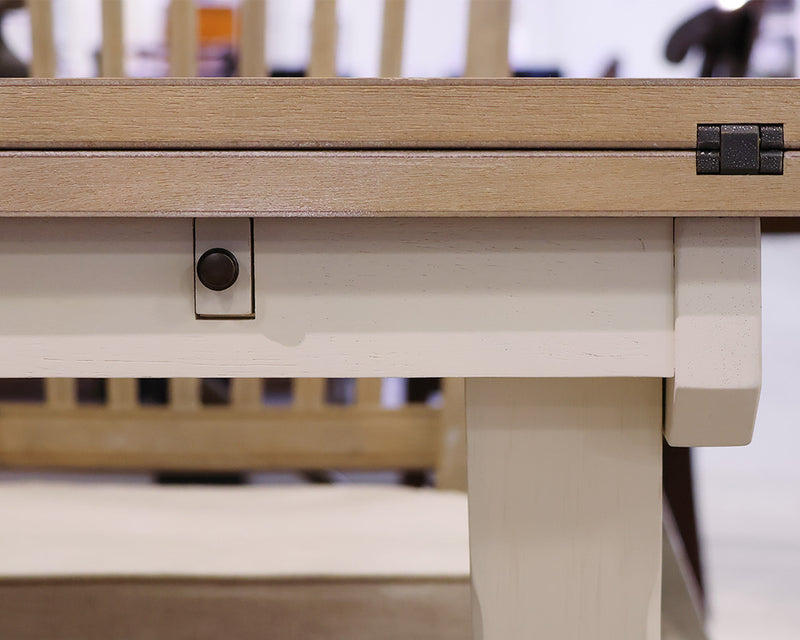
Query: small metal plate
[[235, 235], [739, 148]]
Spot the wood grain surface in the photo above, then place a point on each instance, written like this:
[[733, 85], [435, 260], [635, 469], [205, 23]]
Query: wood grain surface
[[323, 113], [384, 184]]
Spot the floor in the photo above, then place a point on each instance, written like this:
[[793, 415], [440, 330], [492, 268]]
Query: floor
[[749, 498]]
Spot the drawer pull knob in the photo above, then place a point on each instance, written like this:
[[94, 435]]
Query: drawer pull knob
[[218, 269]]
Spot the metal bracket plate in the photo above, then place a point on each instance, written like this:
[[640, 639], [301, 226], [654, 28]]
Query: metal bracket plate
[[740, 149]]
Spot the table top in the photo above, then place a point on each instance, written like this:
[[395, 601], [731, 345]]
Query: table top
[[378, 148], [266, 113]]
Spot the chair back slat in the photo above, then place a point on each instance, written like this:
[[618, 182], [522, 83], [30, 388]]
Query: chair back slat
[[184, 394], [394, 24], [122, 393], [252, 38], [487, 44], [324, 36], [182, 39], [246, 393], [368, 393], [60, 393], [308, 393], [451, 466], [112, 57], [44, 49]]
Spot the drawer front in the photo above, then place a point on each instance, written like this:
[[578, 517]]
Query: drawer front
[[343, 297]]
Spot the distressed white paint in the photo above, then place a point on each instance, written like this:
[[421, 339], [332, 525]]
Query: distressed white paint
[[344, 297], [565, 508], [712, 399]]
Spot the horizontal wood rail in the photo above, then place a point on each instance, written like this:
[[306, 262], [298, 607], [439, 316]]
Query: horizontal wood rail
[[246, 434], [378, 184], [219, 438], [319, 113]]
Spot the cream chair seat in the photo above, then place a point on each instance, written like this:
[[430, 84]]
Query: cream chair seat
[[265, 561]]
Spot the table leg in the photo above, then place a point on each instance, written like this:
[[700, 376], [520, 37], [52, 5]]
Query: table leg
[[565, 508]]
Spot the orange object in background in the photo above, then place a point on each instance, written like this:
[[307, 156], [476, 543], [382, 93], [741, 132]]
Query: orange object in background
[[217, 26], [217, 40]]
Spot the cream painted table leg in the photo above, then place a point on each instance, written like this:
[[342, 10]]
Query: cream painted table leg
[[565, 508]]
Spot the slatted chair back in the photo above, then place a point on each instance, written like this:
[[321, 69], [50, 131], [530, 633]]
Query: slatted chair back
[[245, 433], [242, 432]]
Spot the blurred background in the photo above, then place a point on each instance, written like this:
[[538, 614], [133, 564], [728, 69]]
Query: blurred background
[[572, 39], [747, 515]]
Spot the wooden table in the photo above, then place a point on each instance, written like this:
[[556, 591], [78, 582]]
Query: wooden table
[[551, 241]]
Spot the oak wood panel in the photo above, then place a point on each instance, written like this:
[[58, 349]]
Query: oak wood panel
[[565, 508], [214, 438], [375, 113], [384, 184]]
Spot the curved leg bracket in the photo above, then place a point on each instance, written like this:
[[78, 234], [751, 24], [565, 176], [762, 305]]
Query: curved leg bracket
[[713, 397]]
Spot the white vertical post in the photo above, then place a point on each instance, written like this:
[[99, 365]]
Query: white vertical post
[[565, 508]]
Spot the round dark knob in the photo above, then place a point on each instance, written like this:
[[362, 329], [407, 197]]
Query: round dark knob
[[217, 269]]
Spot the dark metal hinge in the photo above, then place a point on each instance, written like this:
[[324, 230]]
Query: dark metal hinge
[[730, 149]]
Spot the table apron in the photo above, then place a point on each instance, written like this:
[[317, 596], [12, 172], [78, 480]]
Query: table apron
[[540, 297]]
